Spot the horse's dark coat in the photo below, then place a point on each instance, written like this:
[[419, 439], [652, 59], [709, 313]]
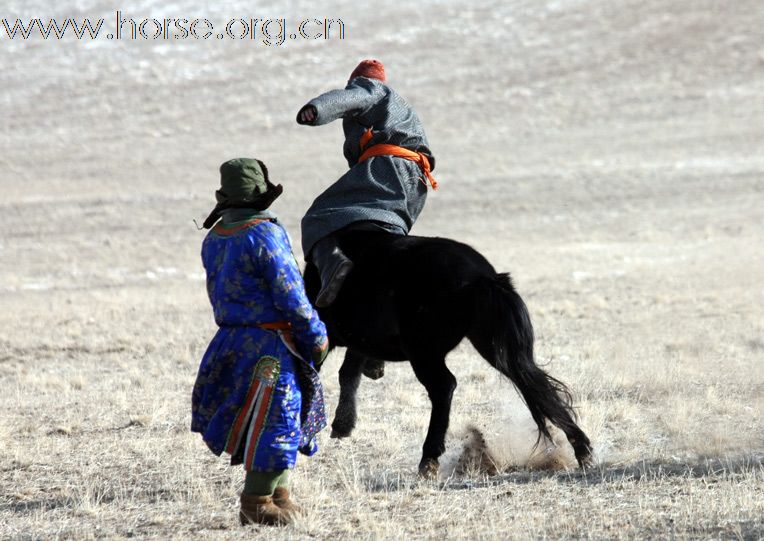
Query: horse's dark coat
[[414, 299]]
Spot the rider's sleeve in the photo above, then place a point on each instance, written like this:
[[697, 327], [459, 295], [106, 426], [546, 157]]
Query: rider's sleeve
[[281, 274], [359, 96]]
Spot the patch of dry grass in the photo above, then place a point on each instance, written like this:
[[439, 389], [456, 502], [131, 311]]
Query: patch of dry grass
[[96, 443]]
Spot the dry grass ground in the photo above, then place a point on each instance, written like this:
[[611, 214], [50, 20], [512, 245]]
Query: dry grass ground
[[610, 157]]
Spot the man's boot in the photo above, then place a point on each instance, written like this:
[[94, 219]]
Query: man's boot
[[333, 266], [281, 498], [262, 510]]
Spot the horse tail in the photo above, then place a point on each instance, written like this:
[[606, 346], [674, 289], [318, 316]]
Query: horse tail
[[503, 334]]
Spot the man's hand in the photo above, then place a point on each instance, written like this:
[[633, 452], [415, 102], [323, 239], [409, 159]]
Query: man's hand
[[307, 115], [319, 356]]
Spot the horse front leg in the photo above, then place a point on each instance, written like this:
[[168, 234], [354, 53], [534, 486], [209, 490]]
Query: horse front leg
[[440, 384], [350, 377]]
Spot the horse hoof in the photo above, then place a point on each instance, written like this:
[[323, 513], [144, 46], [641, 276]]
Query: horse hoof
[[585, 458], [586, 462], [340, 434], [374, 370], [428, 468]]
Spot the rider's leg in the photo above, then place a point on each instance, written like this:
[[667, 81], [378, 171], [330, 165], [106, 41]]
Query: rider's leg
[[333, 266]]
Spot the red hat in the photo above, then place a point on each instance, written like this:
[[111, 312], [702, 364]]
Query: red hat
[[373, 69]]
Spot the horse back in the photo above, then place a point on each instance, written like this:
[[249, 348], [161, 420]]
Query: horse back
[[428, 264], [401, 285]]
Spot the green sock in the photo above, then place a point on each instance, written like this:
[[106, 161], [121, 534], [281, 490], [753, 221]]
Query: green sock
[[262, 483], [284, 479]]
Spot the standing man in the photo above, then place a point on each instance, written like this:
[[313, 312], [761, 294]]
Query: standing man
[[257, 395]]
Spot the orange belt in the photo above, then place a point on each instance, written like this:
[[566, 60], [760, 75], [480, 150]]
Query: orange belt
[[384, 149], [276, 326]]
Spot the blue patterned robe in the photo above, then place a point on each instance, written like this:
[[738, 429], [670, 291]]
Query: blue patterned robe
[[257, 396]]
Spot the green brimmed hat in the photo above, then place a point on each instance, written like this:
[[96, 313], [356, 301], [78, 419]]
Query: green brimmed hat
[[244, 183]]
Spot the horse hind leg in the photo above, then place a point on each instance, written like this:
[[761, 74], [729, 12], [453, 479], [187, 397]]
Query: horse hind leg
[[582, 446], [440, 384], [350, 377]]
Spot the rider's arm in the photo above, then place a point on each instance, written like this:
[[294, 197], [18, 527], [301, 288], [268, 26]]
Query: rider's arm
[[359, 96]]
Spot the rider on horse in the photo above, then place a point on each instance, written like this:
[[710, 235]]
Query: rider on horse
[[390, 167]]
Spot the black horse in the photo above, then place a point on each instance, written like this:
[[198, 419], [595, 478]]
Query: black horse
[[414, 299]]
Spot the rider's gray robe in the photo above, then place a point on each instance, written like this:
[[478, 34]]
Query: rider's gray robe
[[383, 189]]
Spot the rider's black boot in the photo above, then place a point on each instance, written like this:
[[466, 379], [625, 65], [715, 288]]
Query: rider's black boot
[[333, 266]]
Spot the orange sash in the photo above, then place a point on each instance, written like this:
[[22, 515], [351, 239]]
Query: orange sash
[[276, 326], [384, 149]]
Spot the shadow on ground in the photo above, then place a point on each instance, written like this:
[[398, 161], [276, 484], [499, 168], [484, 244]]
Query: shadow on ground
[[604, 473]]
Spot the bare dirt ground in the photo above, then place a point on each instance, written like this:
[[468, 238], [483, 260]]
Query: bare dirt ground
[[609, 155]]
